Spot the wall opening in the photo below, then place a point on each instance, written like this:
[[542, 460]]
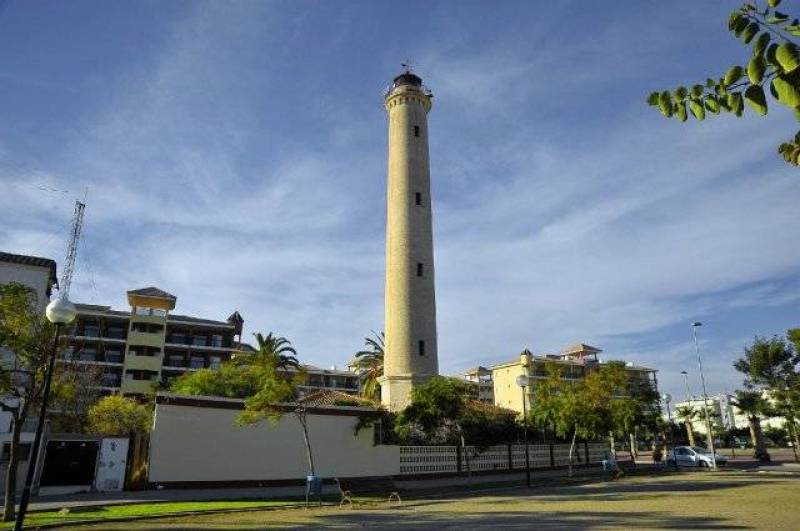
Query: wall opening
[[421, 347]]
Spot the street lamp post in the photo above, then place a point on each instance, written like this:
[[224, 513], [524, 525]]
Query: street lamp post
[[686, 381], [667, 399], [523, 382], [709, 433], [59, 312]]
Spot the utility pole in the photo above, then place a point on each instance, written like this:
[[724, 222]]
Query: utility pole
[[59, 312]]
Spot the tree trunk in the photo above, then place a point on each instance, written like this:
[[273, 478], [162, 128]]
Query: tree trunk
[[302, 418], [631, 442], [795, 438], [613, 445], [633, 446], [690, 432], [11, 473], [572, 449], [758, 440]]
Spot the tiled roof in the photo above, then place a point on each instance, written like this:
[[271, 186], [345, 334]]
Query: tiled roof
[[581, 347], [35, 261], [152, 291], [336, 398]]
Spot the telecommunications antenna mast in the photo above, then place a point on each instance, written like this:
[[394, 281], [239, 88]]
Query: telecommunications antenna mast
[[72, 251]]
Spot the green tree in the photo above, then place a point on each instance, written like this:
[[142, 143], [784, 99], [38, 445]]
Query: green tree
[[753, 406], [435, 411], [772, 67], [582, 409], [369, 363], [273, 350], [275, 393], [232, 380], [688, 415], [772, 365], [117, 415], [75, 389], [26, 332]]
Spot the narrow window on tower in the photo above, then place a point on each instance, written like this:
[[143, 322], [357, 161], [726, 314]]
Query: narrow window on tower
[[416, 130], [419, 269], [418, 198], [421, 345]]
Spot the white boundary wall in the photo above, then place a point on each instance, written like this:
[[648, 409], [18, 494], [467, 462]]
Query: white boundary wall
[[203, 444]]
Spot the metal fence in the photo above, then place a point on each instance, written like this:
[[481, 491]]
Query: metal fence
[[504, 458]]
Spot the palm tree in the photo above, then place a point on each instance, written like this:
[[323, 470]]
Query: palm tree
[[276, 350], [753, 405], [687, 415], [370, 365]]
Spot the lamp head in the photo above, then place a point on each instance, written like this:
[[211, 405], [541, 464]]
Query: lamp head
[[667, 397], [60, 311], [684, 373], [522, 381], [696, 324]]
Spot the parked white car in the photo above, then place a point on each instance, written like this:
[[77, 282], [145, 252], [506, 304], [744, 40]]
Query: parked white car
[[693, 456]]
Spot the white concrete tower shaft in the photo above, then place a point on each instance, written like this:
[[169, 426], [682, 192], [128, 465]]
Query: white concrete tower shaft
[[411, 346]]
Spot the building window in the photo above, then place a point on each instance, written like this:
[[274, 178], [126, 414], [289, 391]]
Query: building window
[[214, 362], [147, 328], [196, 362], [416, 130], [421, 345], [113, 356], [216, 340], [418, 199], [420, 268], [199, 341]]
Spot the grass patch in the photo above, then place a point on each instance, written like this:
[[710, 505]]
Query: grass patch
[[140, 510]]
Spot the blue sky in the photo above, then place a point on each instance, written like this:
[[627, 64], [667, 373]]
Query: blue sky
[[234, 155]]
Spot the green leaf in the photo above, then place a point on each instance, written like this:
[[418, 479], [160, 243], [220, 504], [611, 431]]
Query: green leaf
[[665, 103], [756, 68], [712, 104], [680, 111], [773, 48], [680, 93], [777, 17], [788, 56], [754, 96], [723, 104], [786, 91], [750, 32], [773, 3], [761, 43], [734, 18], [652, 99], [698, 111], [794, 30], [697, 91], [740, 26], [732, 75], [736, 103], [710, 83], [797, 117]]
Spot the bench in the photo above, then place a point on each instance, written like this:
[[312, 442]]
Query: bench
[[349, 487]]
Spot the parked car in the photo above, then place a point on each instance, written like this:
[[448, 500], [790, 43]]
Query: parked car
[[693, 456]]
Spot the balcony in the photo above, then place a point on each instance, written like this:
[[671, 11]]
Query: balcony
[[143, 363], [141, 387], [146, 339]]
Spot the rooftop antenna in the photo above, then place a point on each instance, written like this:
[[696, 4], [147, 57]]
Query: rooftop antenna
[[407, 66], [72, 251]]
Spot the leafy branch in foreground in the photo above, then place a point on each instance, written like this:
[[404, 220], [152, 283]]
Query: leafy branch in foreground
[[773, 66]]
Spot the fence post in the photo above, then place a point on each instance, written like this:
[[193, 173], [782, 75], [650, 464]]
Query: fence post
[[458, 459], [510, 457], [586, 450], [552, 457]]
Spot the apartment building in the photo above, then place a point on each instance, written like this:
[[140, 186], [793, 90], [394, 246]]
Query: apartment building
[[576, 361], [147, 346], [480, 378]]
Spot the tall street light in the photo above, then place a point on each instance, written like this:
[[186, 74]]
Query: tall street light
[[59, 312], [667, 399], [686, 381], [709, 433], [523, 382]]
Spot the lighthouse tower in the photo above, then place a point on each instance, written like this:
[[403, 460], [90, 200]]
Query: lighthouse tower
[[410, 353]]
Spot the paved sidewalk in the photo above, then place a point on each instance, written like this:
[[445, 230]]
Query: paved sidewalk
[[444, 485]]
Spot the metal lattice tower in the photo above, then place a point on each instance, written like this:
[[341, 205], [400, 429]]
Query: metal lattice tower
[[72, 251]]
